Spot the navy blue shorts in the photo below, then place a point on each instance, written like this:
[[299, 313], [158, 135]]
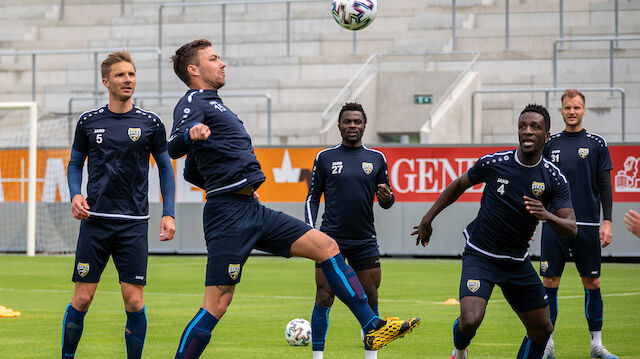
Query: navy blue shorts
[[519, 281], [585, 250], [361, 254], [125, 241], [236, 224]]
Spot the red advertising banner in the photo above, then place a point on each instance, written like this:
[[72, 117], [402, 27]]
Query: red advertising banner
[[417, 174]]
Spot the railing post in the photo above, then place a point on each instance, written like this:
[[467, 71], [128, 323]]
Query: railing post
[[506, 25], [555, 66], [623, 110], [288, 28], [546, 100], [453, 25], [61, 10], [473, 115], [160, 50], [268, 120], [355, 43], [33, 77], [95, 77], [561, 16], [617, 32], [184, 8], [121, 7], [224, 29], [611, 66]]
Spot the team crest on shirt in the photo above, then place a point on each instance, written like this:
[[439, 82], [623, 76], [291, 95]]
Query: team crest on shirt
[[82, 268], [544, 265], [367, 167], [583, 152], [473, 285], [234, 271], [134, 133], [537, 188]]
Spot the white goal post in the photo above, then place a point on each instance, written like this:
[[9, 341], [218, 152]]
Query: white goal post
[[33, 151]]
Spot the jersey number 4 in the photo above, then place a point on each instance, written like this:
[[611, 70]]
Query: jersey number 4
[[501, 189]]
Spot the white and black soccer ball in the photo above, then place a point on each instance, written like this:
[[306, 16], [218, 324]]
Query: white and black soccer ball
[[354, 14], [298, 332]]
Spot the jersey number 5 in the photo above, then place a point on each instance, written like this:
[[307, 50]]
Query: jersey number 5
[[99, 138]]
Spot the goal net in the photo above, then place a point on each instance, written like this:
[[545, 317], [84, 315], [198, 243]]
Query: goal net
[[35, 212]]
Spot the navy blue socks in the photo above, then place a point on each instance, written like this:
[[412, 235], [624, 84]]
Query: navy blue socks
[[196, 335], [72, 325], [552, 296], [530, 350], [345, 284], [460, 341], [319, 327], [593, 309], [135, 333]]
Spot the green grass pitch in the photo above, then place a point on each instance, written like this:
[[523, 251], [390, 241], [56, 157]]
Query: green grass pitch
[[275, 290]]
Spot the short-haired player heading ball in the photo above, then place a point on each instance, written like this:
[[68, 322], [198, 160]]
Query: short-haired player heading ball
[[519, 184], [220, 159]]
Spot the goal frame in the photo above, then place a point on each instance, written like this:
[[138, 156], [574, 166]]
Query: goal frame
[[33, 157]]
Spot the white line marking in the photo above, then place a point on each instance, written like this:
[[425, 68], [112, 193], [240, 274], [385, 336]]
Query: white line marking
[[286, 297]]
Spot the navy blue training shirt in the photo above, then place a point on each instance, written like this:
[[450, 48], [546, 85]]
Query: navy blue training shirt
[[580, 156], [503, 226], [349, 178], [118, 148], [225, 161]]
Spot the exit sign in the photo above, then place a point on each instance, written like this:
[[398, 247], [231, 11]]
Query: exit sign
[[422, 99]]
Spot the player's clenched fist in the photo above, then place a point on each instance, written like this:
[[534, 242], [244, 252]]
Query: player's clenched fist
[[199, 132]]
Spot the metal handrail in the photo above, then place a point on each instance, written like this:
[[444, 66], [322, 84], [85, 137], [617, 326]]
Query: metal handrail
[[546, 92], [347, 87], [340, 97], [95, 53], [224, 3], [611, 40], [452, 86], [267, 96], [561, 25]]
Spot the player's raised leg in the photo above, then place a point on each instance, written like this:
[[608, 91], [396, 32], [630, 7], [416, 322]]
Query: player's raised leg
[[345, 284], [197, 333]]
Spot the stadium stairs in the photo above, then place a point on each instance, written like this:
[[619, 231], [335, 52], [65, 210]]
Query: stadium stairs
[[322, 60]]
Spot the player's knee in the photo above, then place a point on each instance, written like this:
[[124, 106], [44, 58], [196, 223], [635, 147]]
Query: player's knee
[[82, 301], [324, 297], [541, 333], [133, 304], [470, 320]]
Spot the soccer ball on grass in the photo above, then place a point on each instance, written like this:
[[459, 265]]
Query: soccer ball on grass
[[354, 14], [298, 332]]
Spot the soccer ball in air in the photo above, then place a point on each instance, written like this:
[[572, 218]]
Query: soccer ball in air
[[298, 332], [354, 14]]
